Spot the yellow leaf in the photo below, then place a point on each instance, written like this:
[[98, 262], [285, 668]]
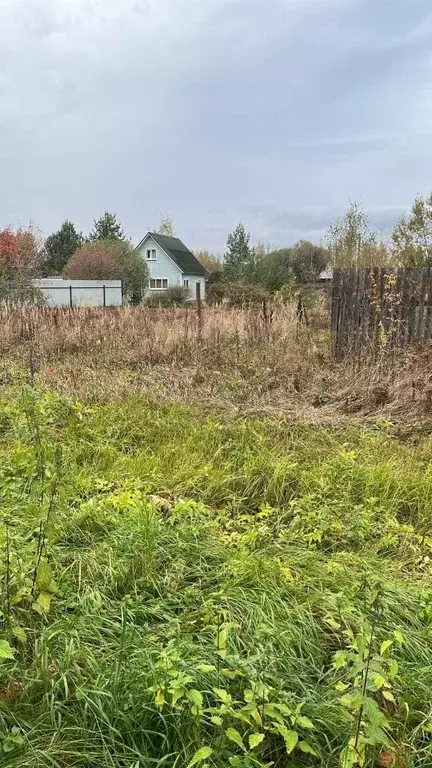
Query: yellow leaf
[[389, 696], [255, 739], [44, 602]]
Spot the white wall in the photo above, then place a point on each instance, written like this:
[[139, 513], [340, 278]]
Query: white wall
[[85, 293], [193, 280], [162, 267]]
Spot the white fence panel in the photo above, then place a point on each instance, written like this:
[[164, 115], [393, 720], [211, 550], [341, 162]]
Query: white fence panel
[[81, 293]]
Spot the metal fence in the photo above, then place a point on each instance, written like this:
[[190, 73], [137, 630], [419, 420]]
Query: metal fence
[[379, 308], [78, 293]]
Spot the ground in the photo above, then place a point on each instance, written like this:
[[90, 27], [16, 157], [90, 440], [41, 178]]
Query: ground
[[209, 557]]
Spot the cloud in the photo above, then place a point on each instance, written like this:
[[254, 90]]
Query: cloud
[[213, 110]]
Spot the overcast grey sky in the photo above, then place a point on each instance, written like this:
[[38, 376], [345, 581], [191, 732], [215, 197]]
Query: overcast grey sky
[[273, 112]]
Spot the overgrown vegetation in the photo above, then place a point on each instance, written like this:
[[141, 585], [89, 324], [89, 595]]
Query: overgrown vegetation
[[180, 589], [202, 561]]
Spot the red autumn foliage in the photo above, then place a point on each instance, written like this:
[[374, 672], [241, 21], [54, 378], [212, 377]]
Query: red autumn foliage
[[19, 251], [94, 261]]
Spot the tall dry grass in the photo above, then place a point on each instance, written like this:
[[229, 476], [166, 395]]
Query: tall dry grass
[[241, 358], [136, 336]]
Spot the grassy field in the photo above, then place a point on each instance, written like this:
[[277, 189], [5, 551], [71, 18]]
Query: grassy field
[[190, 578]]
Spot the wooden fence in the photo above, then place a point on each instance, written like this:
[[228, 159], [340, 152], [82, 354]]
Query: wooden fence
[[377, 309]]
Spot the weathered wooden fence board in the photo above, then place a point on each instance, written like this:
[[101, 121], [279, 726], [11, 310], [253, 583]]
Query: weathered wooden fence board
[[374, 309]]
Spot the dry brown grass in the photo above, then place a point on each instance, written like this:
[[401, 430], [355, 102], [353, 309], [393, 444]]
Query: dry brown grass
[[238, 359]]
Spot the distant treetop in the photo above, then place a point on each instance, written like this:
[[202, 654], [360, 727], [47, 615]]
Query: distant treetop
[[107, 228]]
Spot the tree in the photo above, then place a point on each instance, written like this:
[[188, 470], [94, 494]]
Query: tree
[[352, 244], [107, 228], [308, 260], [60, 246], [166, 226], [21, 255], [276, 269], [412, 237], [208, 260], [110, 260], [239, 258]]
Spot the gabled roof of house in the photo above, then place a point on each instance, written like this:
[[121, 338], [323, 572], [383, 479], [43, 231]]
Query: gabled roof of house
[[182, 256]]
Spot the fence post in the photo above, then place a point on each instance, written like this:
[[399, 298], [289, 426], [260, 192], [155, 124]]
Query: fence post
[[104, 296], [70, 296], [199, 306]]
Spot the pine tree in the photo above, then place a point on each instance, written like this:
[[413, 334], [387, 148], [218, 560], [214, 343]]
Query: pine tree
[[60, 246], [239, 256], [107, 228]]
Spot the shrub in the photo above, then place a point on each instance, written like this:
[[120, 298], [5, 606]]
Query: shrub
[[216, 293], [174, 296], [240, 295], [20, 262], [110, 260]]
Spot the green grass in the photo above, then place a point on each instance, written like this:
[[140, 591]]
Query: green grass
[[187, 558]]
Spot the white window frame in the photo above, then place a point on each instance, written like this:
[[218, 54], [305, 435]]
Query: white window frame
[[162, 287], [151, 254]]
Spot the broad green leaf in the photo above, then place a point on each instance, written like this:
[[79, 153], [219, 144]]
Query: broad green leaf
[[20, 635], [340, 686], [160, 699], [332, 622], [398, 636], [6, 652], [379, 681], [255, 715], [255, 739], [44, 601], [389, 696], [304, 722], [216, 720], [373, 712], [221, 642], [195, 697], [339, 660], [352, 700], [200, 755], [43, 577], [376, 736], [178, 691], [393, 668], [233, 735], [385, 646], [223, 695], [291, 738], [427, 726], [248, 695], [349, 758], [272, 711], [306, 747], [206, 667], [231, 673]]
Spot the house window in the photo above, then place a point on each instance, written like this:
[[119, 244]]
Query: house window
[[158, 283], [151, 254], [186, 283]]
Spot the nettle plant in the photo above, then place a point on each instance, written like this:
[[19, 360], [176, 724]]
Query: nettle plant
[[30, 486], [366, 676], [241, 718]]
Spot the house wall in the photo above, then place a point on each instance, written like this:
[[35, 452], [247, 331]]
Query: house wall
[[85, 293], [162, 267], [193, 280]]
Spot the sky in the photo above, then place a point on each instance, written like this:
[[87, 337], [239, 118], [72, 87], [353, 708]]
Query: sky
[[275, 113]]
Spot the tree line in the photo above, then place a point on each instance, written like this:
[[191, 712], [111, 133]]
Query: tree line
[[349, 242], [106, 253]]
